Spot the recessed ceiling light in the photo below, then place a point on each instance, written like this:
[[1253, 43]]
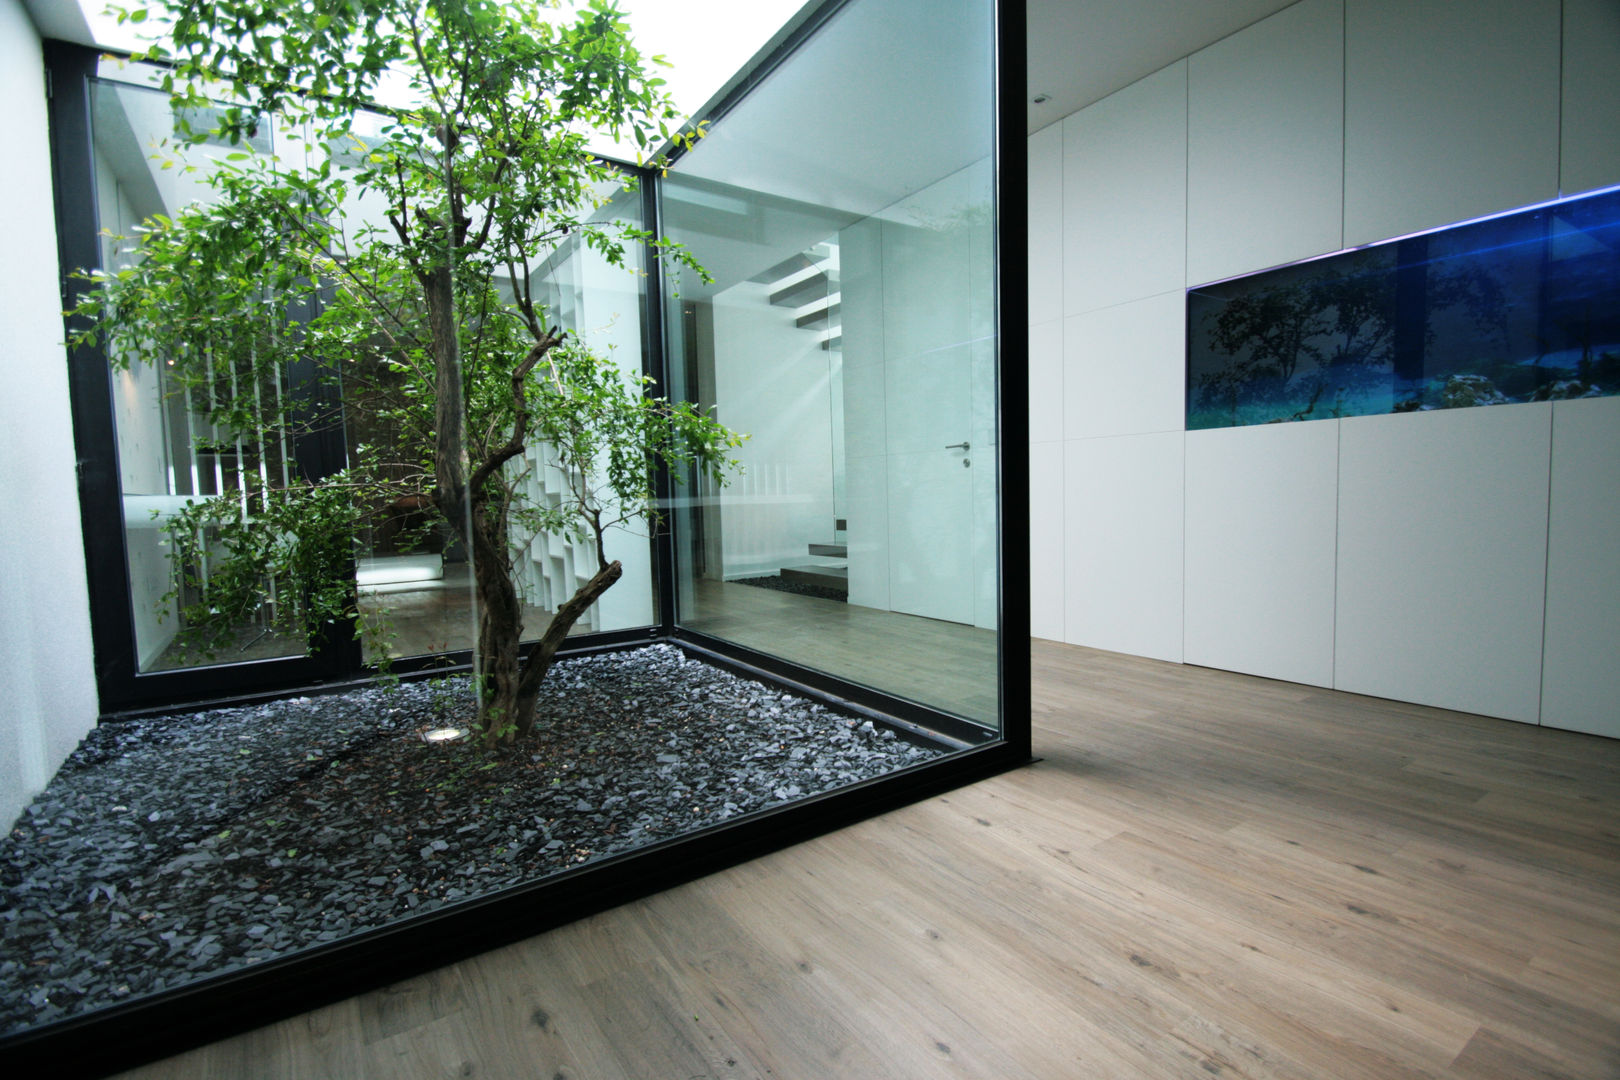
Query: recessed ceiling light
[[1042, 99]]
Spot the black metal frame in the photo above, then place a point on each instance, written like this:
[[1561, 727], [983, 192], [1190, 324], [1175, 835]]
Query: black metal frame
[[165, 1023]]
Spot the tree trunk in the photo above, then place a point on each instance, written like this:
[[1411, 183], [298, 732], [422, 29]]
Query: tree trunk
[[500, 626], [510, 689], [510, 686]]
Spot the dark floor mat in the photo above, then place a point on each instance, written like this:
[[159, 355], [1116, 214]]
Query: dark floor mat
[[776, 581]]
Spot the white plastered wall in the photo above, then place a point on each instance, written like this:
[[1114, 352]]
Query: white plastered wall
[[774, 384], [918, 360], [1331, 123], [47, 682]]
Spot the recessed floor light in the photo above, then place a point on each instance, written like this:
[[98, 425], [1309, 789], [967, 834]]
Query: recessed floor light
[[444, 734]]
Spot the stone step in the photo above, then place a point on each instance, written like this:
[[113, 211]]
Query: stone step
[[830, 551]]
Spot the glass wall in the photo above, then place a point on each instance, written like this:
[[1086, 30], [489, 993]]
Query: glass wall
[[172, 447], [846, 322], [416, 594], [414, 580], [846, 213]]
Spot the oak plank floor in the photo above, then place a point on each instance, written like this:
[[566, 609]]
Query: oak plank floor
[[948, 665], [1207, 875]]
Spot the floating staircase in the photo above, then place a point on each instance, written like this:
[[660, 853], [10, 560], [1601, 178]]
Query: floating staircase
[[808, 283]]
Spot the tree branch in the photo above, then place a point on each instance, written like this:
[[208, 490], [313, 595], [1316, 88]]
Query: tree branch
[[520, 398]]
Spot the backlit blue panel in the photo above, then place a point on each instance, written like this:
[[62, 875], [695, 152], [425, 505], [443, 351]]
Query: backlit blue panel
[[1520, 307]]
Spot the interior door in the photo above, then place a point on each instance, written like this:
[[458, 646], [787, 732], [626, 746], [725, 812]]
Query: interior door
[[930, 482]]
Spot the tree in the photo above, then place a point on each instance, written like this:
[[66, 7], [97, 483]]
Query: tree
[[428, 313]]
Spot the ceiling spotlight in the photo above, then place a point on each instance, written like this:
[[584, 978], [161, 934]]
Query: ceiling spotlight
[[444, 734], [1042, 99]]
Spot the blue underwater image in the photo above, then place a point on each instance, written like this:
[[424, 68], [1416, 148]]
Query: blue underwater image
[[1521, 307]]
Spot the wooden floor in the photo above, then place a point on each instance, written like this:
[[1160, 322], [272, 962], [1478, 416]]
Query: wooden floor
[[945, 664], [1207, 875]]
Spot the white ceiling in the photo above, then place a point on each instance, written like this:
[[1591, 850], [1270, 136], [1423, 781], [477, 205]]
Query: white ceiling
[[1080, 51]]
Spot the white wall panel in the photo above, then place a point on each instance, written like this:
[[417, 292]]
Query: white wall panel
[[1125, 194], [1046, 381], [1124, 368], [1046, 224], [1442, 557], [1589, 133], [868, 532], [1581, 665], [1265, 143], [1122, 544], [1261, 520], [926, 299], [930, 399], [1451, 111], [773, 384], [47, 683], [1046, 540]]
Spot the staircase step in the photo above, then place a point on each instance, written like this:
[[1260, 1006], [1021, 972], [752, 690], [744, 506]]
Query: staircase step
[[818, 314], [812, 286], [830, 551], [814, 256], [830, 577]]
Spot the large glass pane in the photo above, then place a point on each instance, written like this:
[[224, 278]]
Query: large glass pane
[[849, 327], [172, 448], [850, 330], [414, 578]]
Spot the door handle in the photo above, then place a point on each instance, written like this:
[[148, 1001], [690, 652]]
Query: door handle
[[958, 446]]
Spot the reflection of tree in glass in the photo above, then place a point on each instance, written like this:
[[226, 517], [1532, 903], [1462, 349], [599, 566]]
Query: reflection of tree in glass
[[1287, 344], [1266, 334]]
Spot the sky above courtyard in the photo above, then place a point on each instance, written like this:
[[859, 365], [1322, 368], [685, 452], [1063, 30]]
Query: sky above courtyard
[[705, 41]]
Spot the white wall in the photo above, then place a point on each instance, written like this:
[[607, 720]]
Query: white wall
[[1404, 556], [47, 682], [774, 383], [1580, 679], [917, 316]]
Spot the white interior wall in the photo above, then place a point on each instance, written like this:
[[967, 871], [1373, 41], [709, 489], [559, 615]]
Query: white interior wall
[[1442, 557], [1450, 111], [1580, 680], [860, 253], [1589, 122], [47, 683], [1332, 122], [773, 383], [917, 318], [610, 322]]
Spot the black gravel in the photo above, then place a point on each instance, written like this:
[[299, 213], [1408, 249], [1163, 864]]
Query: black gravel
[[173, 848], [798, 588]]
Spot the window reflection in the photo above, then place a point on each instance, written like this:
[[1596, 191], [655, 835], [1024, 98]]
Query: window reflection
[[850, 331]]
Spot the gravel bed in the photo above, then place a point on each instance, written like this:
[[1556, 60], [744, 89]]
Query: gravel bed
[[172, 848]]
